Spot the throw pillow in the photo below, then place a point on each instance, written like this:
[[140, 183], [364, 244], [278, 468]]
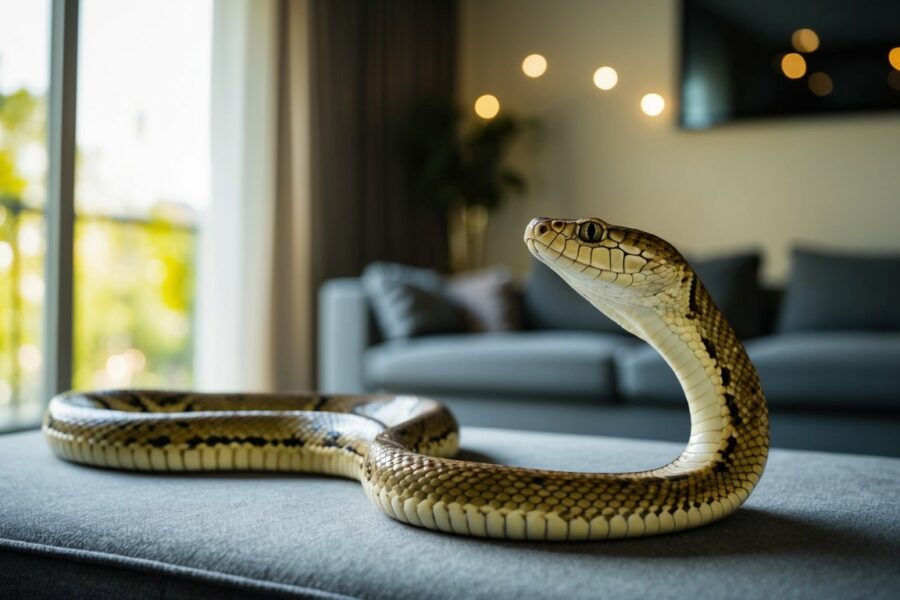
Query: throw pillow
[[408, 301], [831, 291], [550, 303], [733, 283], [489, 298]]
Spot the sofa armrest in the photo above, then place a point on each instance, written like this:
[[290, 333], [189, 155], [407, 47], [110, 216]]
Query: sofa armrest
[[346, 330]]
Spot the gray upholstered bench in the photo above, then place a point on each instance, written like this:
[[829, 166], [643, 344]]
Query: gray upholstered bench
[[819, 525]]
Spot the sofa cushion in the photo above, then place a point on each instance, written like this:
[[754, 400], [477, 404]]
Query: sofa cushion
[[642, 374], [526, 363], [841, 292], [818, 526], [408, 301], [732, 281], [846, 371]]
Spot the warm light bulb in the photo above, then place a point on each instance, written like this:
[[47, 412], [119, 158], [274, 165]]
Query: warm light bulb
[[893, 80], [606, 78], [894, 57], [820, 84], [652, 104], [793, 66], [805, 40], [487, 106], [534, 65]]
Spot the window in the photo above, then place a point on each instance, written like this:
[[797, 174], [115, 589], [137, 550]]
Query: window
[[141, 177], [24, 77]]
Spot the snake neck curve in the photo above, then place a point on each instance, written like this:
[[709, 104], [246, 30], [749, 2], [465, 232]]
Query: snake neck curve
[[721, 386]]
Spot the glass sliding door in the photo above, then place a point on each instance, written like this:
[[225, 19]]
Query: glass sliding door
[[24, 80], [142, 175]]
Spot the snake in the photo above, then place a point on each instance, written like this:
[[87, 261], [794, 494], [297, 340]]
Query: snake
[[401, 448]]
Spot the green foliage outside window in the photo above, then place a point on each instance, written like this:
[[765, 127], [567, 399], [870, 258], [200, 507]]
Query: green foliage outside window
[[134, 281]]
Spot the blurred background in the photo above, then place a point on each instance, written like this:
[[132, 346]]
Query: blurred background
[[301, 194]]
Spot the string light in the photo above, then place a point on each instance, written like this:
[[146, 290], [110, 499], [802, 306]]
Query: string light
[[534, 65], [793, 65], [894, 57], [487, 106], [805, 40], [606, 78], [820, 84], [652, 104]]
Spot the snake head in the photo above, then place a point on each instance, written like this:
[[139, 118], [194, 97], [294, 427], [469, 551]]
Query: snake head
[[615, 262]]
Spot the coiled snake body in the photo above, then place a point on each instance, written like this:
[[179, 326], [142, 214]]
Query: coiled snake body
[[398, 447]]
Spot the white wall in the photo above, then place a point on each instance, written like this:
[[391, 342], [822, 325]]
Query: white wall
[[829, 181]]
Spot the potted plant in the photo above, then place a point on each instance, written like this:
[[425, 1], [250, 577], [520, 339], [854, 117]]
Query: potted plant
[[461, 168]]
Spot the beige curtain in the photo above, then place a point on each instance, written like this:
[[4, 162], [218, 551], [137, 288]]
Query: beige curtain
[[254, 292]]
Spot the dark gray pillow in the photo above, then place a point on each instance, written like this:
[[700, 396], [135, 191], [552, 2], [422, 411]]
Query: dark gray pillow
[[831, 291], [733, 282], [408, 301], [550, 303]]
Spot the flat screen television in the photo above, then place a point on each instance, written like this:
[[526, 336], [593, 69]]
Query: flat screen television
[[760, 58]]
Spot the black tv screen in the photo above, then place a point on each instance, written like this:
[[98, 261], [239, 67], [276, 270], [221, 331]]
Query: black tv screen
[[759, 58]]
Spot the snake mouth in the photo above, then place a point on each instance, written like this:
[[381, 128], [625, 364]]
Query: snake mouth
[[566, 266]]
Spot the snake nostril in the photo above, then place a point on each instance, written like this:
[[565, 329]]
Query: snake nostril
[[541, 229], [557, 224]]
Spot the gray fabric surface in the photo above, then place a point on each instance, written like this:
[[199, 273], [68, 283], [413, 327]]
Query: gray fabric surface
[[818, 526], [51, 572], [830, 291], [571, 364], [843, 370]]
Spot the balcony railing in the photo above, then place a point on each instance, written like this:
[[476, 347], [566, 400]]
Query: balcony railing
[[133, 306]]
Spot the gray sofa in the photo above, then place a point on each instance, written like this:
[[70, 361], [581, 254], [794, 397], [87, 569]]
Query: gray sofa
[[827, 390], [818, 526]]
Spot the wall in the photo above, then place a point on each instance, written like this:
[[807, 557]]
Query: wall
[[829, 181]]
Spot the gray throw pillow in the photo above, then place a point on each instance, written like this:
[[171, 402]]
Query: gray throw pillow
[[733, 283], [550, 303], [831, 291], [408, 301], [489, 298]]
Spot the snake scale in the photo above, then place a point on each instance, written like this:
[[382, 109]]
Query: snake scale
[[400, 447]]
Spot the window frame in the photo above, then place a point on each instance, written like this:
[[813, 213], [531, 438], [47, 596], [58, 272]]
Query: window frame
[[60, 202]]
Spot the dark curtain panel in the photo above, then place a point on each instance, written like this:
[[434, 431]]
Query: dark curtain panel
[[370, 61]]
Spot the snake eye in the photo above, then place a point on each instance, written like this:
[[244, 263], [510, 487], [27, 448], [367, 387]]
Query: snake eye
[[590, 232]]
